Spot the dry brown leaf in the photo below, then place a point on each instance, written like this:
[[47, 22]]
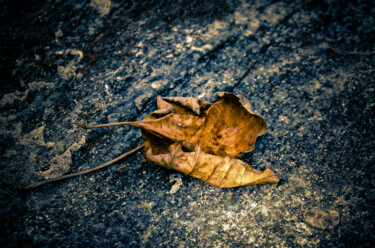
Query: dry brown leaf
[[199, 139], [205, 140], [224, 172]]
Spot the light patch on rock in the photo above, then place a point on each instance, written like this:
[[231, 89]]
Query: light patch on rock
[[146, 235], [274, 13], [303, 228], [244, 14], [9, 98], [194, 224], [226, 227], [217, 27], [77, 53], [91, 31], [50, 144], [147, 205], [67, 72], [59, 33], [106, 87], [203, 49], [159, 84], [60, 164], [34, 138], [176, 186], [254, 204], [209, 36], [74, 52], [264, 210], [102, 6], [112, 73], [241, 17], [189, 39], [139, 53], [142, 98]]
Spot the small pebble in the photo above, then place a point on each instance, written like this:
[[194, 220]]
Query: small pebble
[[321, 219]]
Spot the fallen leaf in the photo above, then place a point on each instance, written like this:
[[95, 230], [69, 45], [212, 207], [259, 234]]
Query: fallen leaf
[[199, 139], [205, 140]]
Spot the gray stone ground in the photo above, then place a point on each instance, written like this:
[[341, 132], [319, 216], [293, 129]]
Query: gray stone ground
[[307, 67]]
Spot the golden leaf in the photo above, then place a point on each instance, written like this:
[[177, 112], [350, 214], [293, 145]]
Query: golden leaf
[[199, 139], [205, 140]]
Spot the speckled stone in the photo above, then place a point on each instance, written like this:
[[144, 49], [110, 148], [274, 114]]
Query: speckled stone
[[306, 66], [324, 220]]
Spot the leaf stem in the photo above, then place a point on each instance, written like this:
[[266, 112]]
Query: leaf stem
[[37, 184], [84, 125]]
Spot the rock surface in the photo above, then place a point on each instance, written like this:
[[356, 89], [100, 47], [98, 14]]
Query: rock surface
[[306, 66]]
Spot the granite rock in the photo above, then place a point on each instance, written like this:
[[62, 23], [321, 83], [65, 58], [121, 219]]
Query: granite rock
[[306, 66]]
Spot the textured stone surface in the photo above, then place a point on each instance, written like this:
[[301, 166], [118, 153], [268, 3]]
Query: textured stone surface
[[105, 61]]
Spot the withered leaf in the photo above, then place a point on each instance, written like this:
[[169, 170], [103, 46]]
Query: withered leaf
[[199, 139], [205, 140]]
